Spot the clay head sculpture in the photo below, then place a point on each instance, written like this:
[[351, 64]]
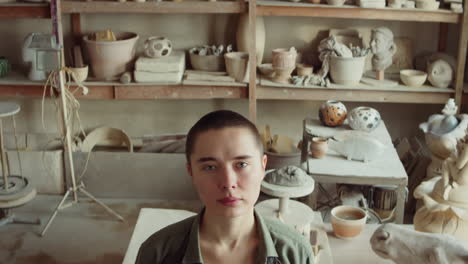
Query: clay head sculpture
[[383, 48]]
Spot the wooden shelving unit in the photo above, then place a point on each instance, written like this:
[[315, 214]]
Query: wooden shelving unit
[[24, 10], [284, 8], [152, 7]]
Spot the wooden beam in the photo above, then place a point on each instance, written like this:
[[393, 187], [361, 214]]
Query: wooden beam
[[355, 12], [75, 20], [277, 93], [461, 59], [153, 7], [179, 92], [443, 33], [24, 11], [253, 61]]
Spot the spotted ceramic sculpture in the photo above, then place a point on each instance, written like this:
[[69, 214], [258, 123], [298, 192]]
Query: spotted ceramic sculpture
[[364, 118], [157, 47], [332, 113]]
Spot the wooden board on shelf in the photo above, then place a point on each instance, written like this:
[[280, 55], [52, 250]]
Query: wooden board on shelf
[[192, 7], [285, 8], [24, 10], [180, 92]]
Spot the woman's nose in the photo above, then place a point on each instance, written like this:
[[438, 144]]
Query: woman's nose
[[228, 179]]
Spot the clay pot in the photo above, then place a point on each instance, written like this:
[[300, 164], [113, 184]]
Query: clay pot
[[413, 78], [266, 69], [276, 160], [237, 65], [318, 147], [336, 2], [347, 71], [157, 47], [211, 63], [81, 73], [427, 5], [332, 113], [364, 118], [304, 69], [348, 221], [109, 59], [283, 63]]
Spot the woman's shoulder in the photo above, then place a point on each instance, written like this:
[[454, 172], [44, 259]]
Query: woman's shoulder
[[167, 242]]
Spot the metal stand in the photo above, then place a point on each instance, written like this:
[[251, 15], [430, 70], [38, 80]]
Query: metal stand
[[74, 189]]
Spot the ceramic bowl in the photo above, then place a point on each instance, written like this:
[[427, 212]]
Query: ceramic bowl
[[237, 65], [427, 5], [336, 2], [211, 63], [413, 78], [347, 71], [80, 73], [276, 160], [348, 221], [304, 69]]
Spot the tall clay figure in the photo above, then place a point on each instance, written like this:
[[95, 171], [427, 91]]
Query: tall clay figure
[[383, 47]]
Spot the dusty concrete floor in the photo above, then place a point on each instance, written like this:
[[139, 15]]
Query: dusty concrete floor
[[84, 233]]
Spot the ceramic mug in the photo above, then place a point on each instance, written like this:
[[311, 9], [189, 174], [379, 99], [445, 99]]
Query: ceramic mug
[[318, 147]]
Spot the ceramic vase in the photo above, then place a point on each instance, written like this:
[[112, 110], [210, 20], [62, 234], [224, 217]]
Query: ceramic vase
[[318, 147], [237, 65], [364, 118], [242, 36], [283, 63], [332, 113], [109, 59], [347, 71], [4, 66]]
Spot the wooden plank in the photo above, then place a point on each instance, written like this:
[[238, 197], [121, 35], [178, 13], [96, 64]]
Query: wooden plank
[[179, 92], [443, 33], [153, 7], [383, 96], [252, 61], [461, 58], [24, 11], [354, 12], [95, 92]]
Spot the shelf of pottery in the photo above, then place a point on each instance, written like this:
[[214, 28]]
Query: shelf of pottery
[[352, 68]]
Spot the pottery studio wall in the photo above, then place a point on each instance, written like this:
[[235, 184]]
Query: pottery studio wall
[[140, 117]]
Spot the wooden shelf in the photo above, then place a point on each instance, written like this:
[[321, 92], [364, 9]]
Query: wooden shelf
[[284, 8], [192, 7], [360, 93], [24, 10], [16, 84]]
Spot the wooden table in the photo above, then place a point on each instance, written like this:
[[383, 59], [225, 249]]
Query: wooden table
[[333, 168]]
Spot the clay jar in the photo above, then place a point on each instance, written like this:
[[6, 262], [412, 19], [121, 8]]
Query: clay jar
[[157, 47], [332, 113], [283, 63], [347, 221], [318, 147], [364, 118]]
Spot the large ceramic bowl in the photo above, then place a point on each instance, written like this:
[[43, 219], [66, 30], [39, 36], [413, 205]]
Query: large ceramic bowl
[[413, 78], [348, 221], [211, 63], [347, 71]]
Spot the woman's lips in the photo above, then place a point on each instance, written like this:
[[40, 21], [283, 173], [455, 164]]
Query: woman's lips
[[229, 201]]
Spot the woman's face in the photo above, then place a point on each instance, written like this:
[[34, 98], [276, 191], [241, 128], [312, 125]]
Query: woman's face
[[227, 169]]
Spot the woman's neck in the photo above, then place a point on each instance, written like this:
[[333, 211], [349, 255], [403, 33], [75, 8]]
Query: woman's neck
[[228, 232]]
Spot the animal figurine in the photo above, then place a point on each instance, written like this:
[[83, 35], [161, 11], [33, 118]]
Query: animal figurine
[[403, 245], [358, 147]]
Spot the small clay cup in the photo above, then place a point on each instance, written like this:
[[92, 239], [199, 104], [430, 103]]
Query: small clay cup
[[318, 147], [348, 221], [304, 69]]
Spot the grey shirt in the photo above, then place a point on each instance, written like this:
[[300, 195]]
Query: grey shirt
[[179, 244]]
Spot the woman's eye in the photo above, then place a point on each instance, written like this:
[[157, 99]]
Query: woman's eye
[[242, 164], [209, 167]]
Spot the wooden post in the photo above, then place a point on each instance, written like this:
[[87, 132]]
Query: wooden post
[[462, 46], [252, 61], [443, 33], [380, 75], [3, 157]]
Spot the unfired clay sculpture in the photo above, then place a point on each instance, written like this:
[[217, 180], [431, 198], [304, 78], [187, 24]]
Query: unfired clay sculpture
[[383, 48], [440, 73], [403, 246], [362, 148], [442, 132], [287, 176], [445, 198]]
